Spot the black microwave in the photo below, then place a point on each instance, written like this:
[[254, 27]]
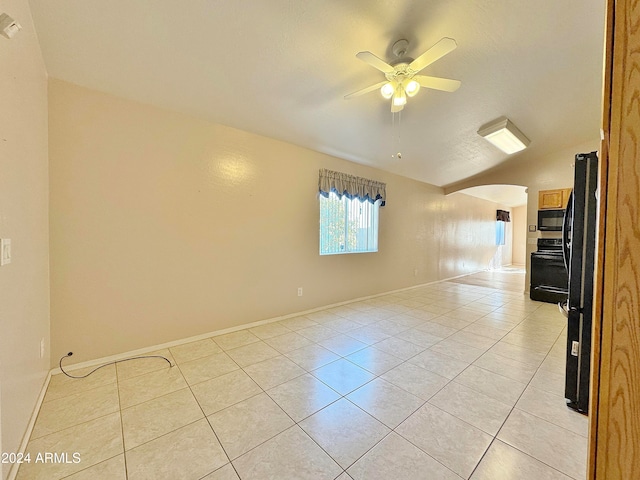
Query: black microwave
[[550, 220]]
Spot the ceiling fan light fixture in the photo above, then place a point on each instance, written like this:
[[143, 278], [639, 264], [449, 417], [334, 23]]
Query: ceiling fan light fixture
[[400, 82], [412, 88], [387, 90], [505, 135], [399, 97]]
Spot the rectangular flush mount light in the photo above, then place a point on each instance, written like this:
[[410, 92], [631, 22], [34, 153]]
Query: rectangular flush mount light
[[504, 135]]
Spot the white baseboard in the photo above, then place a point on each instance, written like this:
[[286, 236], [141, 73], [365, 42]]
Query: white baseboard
[[143, 351], [13, 471]]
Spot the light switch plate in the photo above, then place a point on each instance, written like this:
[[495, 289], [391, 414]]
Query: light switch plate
[[5, 251]]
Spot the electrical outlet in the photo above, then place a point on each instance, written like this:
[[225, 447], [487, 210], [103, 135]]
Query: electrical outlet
[[415, 272], [42, 348], [5, 251], [299, 291]]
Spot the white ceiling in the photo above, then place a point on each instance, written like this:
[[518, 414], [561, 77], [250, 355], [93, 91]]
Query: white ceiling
[[281, 68]]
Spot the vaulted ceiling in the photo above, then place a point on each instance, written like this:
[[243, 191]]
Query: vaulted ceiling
[[281, 68]]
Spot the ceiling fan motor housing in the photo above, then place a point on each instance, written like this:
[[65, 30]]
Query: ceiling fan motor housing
[[399, 48], [401, 62]]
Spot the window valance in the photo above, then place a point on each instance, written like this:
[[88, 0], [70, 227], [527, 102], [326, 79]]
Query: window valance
[[502, 216], [351, 186]]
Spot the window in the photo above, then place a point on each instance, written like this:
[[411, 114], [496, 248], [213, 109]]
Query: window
[[502, 216], [500, 232], [348, 225], [349, 212]]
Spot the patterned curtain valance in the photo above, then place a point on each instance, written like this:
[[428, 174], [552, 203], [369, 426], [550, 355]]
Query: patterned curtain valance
[[502, 216], [351, 186]]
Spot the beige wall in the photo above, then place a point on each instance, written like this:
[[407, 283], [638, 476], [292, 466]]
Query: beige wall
[[164, 227], [554, 170], [519, 227], [24, 284]]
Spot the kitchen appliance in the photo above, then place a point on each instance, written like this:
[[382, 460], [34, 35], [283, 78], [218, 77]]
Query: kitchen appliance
[[579, 244], [550, 220], [549, 278]]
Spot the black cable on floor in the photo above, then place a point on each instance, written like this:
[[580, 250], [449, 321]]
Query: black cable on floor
[[107, 364]]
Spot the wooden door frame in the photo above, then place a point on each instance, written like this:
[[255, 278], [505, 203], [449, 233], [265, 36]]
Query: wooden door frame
[[614, 428]]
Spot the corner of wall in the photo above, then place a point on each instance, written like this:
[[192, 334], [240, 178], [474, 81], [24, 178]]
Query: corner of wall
[[24, 218]]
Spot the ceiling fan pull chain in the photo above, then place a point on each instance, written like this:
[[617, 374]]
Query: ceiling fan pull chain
[[395, 135], [399, 154]]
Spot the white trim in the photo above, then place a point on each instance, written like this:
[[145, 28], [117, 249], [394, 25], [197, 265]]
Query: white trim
[[244, 326], [13, 471]]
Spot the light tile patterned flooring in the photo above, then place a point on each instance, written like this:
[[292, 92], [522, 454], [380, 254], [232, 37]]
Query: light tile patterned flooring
[[461, 379]]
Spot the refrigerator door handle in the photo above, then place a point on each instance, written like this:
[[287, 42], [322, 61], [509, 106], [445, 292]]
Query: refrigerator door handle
[[566, 242]]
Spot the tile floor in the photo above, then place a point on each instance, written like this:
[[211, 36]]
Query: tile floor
[[462, 379]]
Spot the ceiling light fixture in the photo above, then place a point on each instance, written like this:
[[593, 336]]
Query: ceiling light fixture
[[504, 135], [402, 74], [387, 90], [399, 91], [399, 97], [412, 88]]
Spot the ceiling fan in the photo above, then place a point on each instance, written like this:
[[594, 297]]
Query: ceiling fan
[[402, 80]]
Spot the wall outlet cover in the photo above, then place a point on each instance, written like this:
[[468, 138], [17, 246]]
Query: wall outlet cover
[[5, 251]]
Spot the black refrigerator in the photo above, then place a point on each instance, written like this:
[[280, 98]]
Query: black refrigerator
[[579, 246]]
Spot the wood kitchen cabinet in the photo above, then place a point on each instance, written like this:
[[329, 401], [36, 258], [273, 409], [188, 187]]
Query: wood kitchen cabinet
[[555, 199]]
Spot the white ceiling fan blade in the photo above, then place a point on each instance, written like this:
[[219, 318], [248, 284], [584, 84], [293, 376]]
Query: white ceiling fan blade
[[436, 83], [439, 50], [365, 90], [375, 62]]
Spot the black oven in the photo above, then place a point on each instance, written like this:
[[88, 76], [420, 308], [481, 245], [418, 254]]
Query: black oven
[[549, 279], [550, 220]]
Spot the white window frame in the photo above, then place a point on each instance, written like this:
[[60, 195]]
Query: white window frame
[[501, 233], [367, 231]]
